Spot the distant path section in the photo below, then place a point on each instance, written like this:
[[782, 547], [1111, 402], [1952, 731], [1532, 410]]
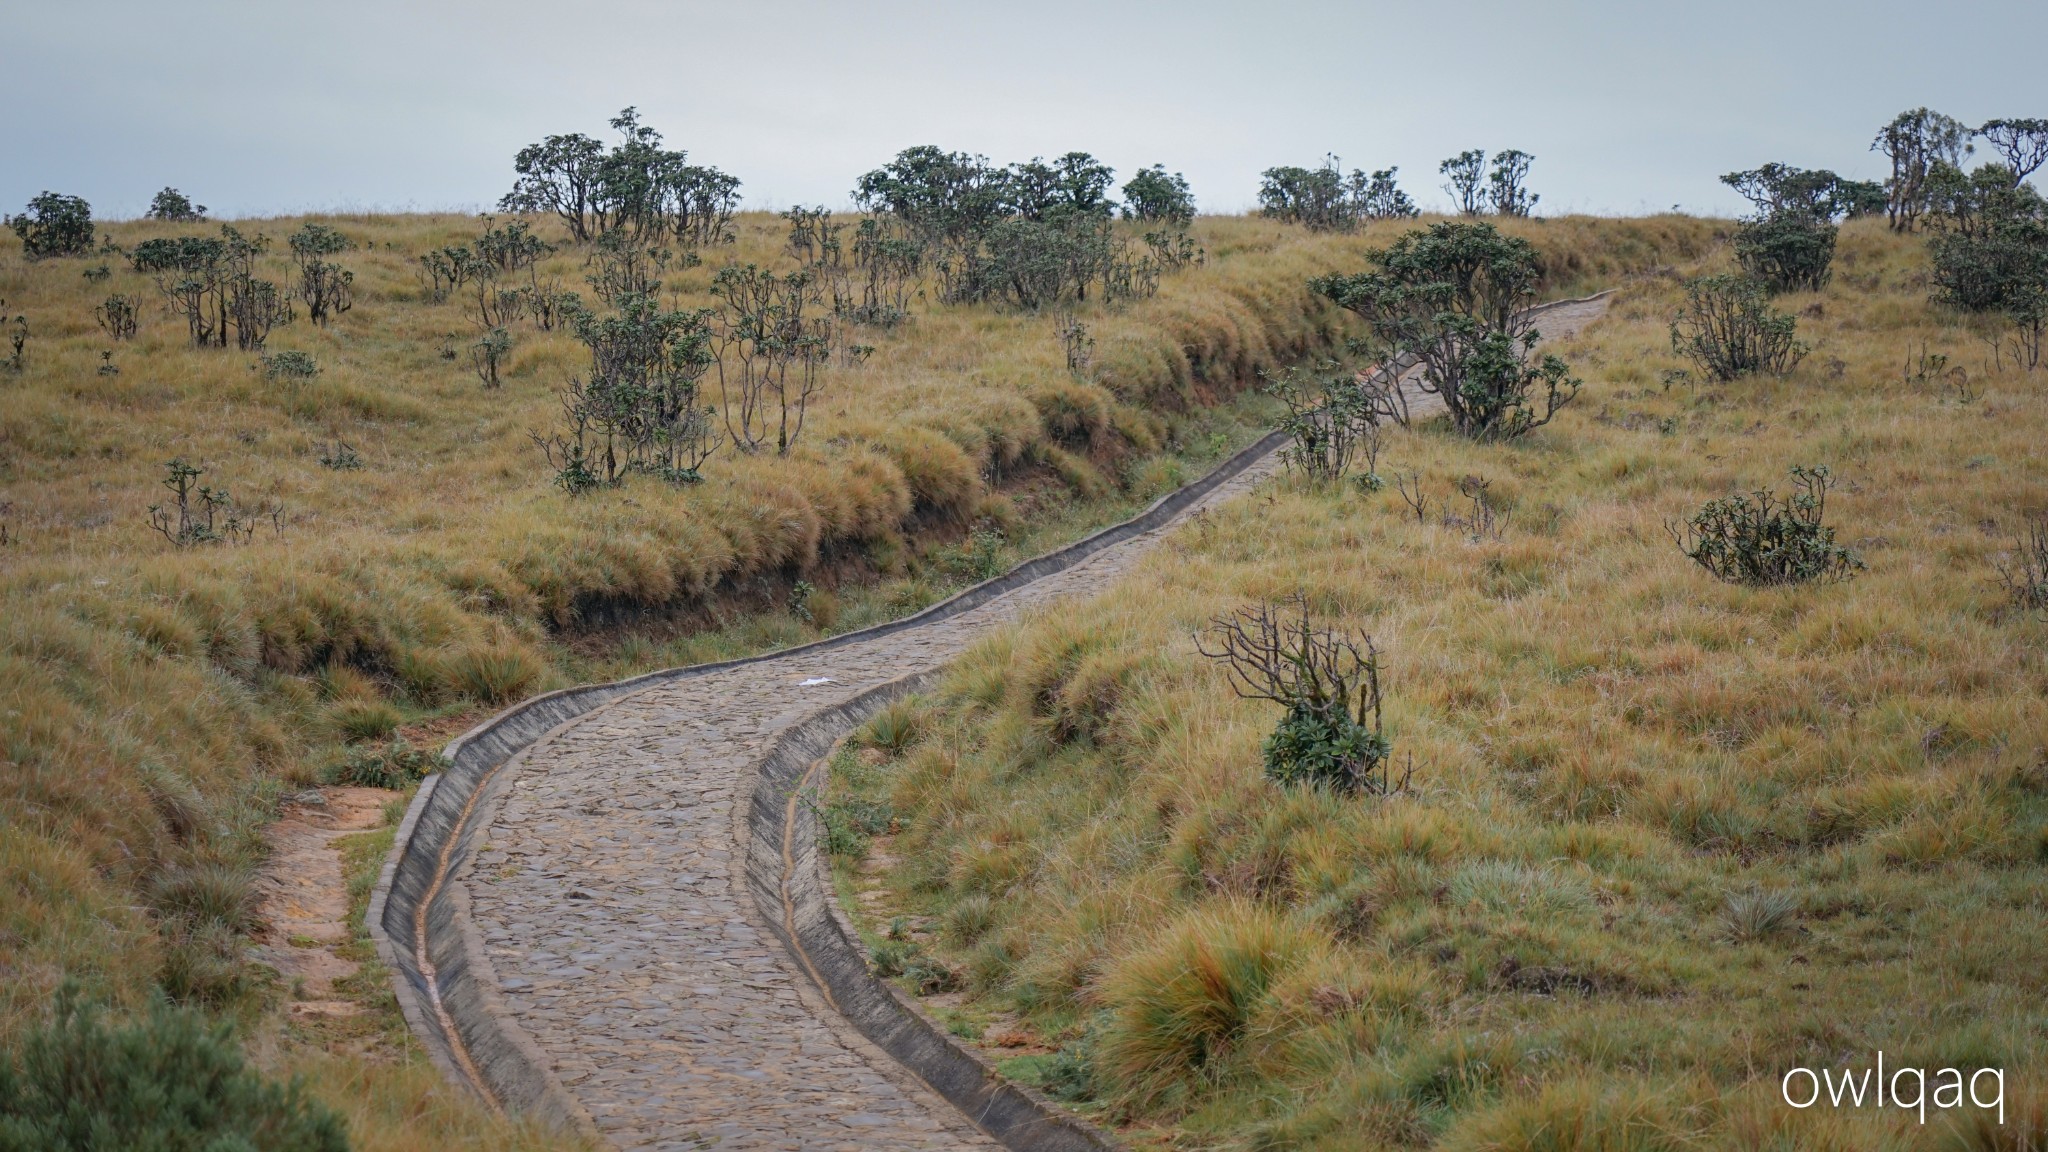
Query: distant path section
[[590, 890]]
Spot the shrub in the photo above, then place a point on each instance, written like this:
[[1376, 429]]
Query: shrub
[[213, 284], [1727, 327], [1453, 298], [198, 514], [293, 366], [117, 316], [489, 353], [1789, 243], [1329, 683], [1990, 253], [2024, 571], [166, 1081], [324, 285], [1330, 420], [342, 457], [1153, 195], [54, 225], [1762, 540], [175, 207]]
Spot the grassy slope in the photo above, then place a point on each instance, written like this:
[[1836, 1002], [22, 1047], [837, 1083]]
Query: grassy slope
[[157, 701], [1609, 748]]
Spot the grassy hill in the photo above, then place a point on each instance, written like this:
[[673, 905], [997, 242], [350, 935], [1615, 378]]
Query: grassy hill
[[1667, 838], [412, 563]]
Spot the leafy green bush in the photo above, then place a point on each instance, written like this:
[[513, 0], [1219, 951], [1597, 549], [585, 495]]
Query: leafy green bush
[[1325, 200], [1154, 195], [1454, 298], [1789, 243], [54, 225], [175, 207], [1330, 420], [293, 366], [1762, 540], [167, 1082], [1727, 327], [1990, 251]]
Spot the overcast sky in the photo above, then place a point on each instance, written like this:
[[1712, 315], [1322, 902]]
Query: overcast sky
[[1629, 106]]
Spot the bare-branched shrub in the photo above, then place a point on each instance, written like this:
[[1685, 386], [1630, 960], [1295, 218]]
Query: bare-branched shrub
[[1482, 520], [198, 514], [175, 207], [1077, 344], [17, 342], [1454, 299], [887, 263], [488, 355], [118, 315], [1762, 540], [769, 351], [1328, 680], [325, 286], [2023, 144], [1329, 420], [2024, 570], [54, 225], [1728, 328]]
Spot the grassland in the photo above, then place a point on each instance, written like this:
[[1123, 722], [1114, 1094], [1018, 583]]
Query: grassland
[[1667, 839], [158, 700]]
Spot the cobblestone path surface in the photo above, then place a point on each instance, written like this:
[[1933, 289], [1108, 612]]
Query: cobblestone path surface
[[623, 941]]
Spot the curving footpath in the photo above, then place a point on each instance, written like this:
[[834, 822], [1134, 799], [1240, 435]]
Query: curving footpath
[[610, 912]]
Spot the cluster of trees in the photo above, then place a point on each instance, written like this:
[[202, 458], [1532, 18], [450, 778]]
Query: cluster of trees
[[1502, 189], [1325, 200], [1030, 235], [212, 282], [652, 193]]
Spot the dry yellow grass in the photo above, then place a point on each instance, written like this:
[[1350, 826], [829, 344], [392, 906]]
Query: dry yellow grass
[[1566, 936], [158, 700]]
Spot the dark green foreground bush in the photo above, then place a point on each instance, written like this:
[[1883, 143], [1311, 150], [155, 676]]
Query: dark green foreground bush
[[169, 1082]]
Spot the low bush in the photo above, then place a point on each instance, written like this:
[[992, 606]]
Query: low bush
[[1728, 328], [2024, 570], [1330, 420], [167, 1082], [1763, 540], [54, 225], [393, 766], [1329, 683]]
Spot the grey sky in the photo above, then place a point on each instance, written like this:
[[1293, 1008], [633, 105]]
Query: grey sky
[[258, 108]]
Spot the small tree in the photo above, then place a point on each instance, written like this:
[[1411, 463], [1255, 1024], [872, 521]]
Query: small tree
[[2023, 144], [197, 514], [1315, 198], [1330, 420], [54, 225], [1789, 243], [1454, 298], [768, 354], [1506, 187], [324, 285], [1762, 540], [1467, 174], [1915, 142], [1328, 680], [172, 206], [1154, 195], [1727, 327], [1382, 199]]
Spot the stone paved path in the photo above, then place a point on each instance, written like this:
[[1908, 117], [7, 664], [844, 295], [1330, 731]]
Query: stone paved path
[[623, 943]]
